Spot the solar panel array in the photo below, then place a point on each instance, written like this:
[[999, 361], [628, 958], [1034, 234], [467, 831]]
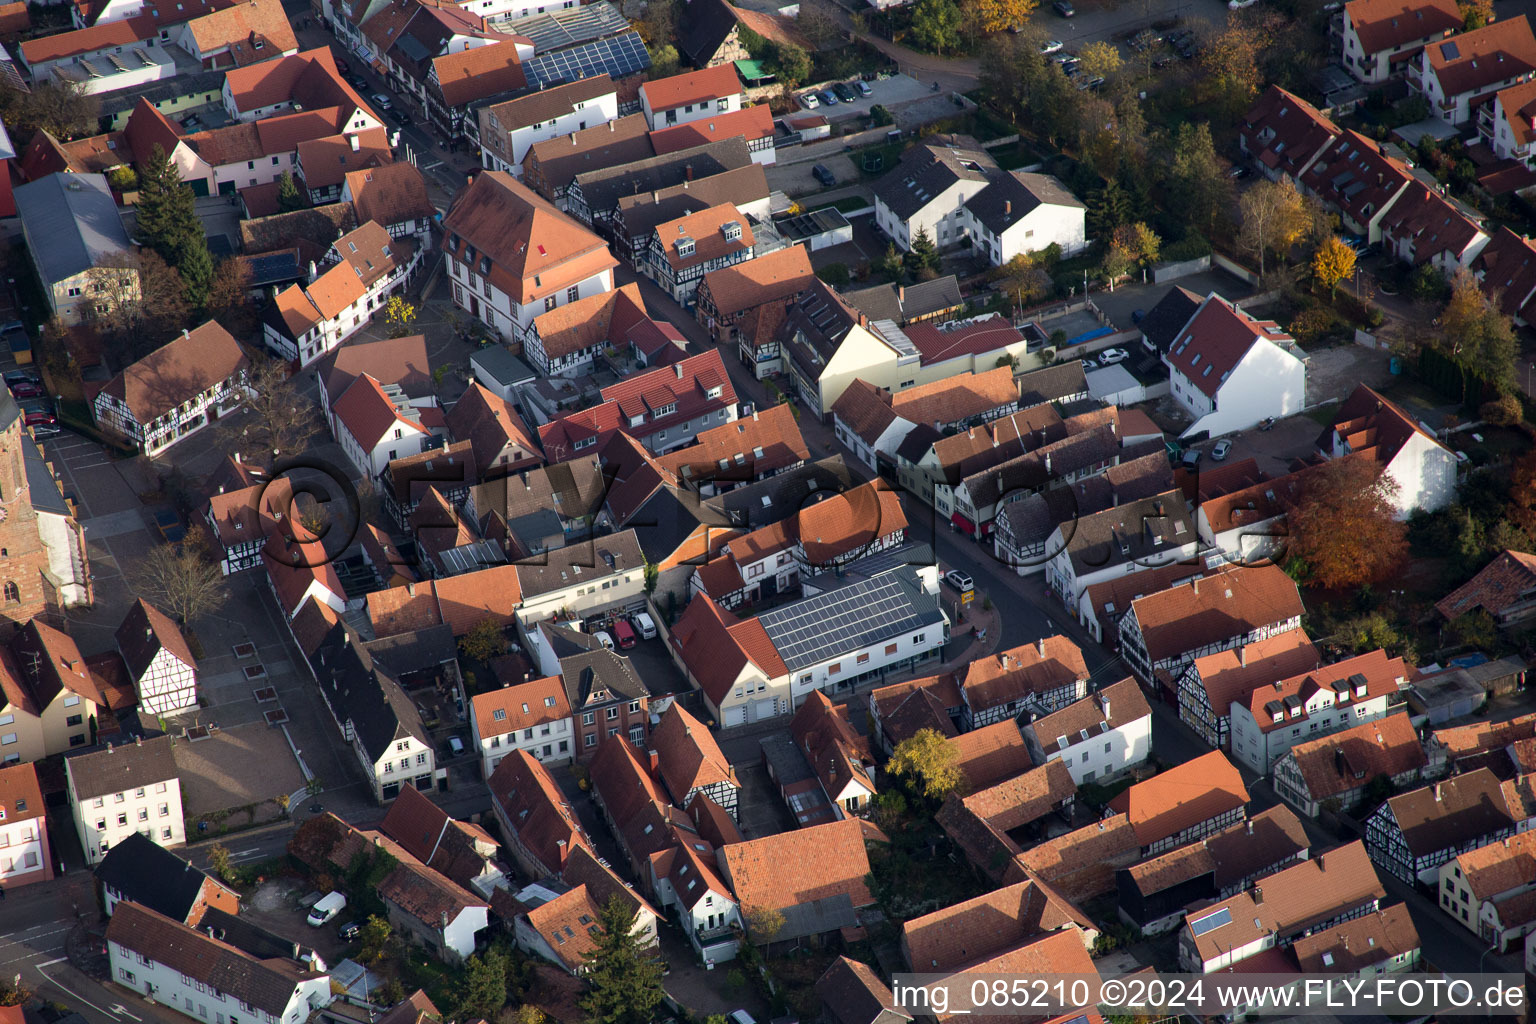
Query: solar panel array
[[822, 627], [568, 28], [619, 56], [1211, 922]]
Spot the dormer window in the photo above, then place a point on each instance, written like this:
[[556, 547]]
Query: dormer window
[[685, 248]]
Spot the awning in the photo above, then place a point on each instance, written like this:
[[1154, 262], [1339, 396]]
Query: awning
[[963, 523]]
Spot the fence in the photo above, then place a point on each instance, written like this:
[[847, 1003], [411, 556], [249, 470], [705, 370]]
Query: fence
[[1235, 269], [1174, 271]]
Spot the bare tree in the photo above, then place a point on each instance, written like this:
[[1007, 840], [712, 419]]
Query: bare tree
[[182, 578], [279, 421], [137, 299]]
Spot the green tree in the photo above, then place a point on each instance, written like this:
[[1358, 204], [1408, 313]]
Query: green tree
[[288, 196], [890, 265], [928, 762], [1108, 208], [790, 64], [623, 978], [1197, 185], [167, 209], [664, 62], [485, 640], [935, 25], [923, 255], [218, 860], [373, 939], [197, 273], [482, 987], [652, 576], [835, 274], [399, 317]]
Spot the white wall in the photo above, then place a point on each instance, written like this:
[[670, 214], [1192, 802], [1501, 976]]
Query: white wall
[[1107, 754], [168, 685], [1425, 474], [171, 989], [688, 112], [1269, 381], [154, 810], [521, 138], [21, 848], [1259, 750]]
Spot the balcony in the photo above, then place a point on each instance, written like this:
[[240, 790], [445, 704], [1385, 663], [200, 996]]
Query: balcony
[[711, 936]]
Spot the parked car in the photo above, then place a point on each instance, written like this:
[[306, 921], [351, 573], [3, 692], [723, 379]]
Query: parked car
[[824, 175], [625, 633], [1191, 459], [328, 907], [1222, 449], [1097, 83], [22, 377], [28, 389], [959, 580], [349, 931], [603, 638], [1162, 62], [1111, 356], [845, 92], [383, 102], [1050, 46], [864, 88], [1089, 363], [1238, 171], [810, 101], [1064, 8], [645, 626], [35, 419], [828, 97], [455, 746]]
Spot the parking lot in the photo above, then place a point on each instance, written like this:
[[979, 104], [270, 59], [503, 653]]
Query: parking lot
[[898, 90]]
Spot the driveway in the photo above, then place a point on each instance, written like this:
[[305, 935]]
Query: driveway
[[1332, 373], [1271, 449], [1119, 304]]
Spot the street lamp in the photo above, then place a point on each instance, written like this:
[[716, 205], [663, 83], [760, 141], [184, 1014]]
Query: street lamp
[[1480, 959]]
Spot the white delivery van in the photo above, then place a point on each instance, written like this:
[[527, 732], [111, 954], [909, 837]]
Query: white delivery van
[[645, 626], [329, 906]]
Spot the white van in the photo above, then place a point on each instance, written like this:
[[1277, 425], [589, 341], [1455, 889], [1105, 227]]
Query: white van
[[603, 638], [329, 906], [645, 626]]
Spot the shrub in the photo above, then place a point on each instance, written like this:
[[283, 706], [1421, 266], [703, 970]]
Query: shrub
[[835, 274], [1191, 247], [1503, 411], [880, 116]]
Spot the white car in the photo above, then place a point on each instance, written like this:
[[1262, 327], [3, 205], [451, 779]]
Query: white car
[[1050, 46], [810, 101], [959, 580], [1111, 356], [603, 638], [381, 101], [1222, 450]]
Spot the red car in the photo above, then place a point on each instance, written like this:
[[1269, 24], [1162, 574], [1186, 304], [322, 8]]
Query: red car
[[25, 389], [33, 419]]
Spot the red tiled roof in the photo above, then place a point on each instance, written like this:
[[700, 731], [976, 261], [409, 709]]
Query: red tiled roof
[[991, 754], [1506, 268], [1049, 664], [1380, 671], [1388, 24], [368, 414], [689, 757], [751, 123], [1234, 674], [774, 277], [327, 160], [479, 71], [1217, 608], [1181, 797], [1353, 160], [691, 87], [520, 706], [706, 229], [1283, 131], [1215, 341], [716, 646], [1477, 59], [773, 431], [1351, 759], [1432, 225], [107, 35], [177, 371], [986, 336], [544, 820], [792, 868], [849, 522]]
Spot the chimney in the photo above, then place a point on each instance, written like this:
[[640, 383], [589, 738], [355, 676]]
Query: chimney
[[1007, 207], [1250, 826], [138, 741], [1194, 586], [901, 293], [1437, 792], [1040, 646], [1258, 894], [1242, 655], [688, 172], [357, 144], [653, 759]]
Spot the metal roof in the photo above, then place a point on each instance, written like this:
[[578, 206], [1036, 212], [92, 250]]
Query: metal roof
[[568, 28], [618, 56], [71, 223]]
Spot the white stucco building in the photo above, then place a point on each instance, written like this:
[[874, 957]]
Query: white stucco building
[[1422, 470], [116, 791], [1019, 212], [1097, 738], [691, 96], [1229, 370], [508, 130], [534, 716], [162, 667]]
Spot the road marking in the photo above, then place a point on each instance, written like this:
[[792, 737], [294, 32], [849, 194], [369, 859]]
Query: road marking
[[50, 963], [119, 1008], [72, 992]]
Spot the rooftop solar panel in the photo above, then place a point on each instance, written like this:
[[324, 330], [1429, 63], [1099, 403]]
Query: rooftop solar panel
[[1210, 922], [858, 615]]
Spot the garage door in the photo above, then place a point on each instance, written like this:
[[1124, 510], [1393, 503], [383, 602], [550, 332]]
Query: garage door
[[764, 709]]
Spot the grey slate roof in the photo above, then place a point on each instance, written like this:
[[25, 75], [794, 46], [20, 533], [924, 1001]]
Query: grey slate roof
[[706, 26], [915, 301], [1035, 469], [1052, 384], [9, 411], [502, 366], [1014, 195], [640, 214], [596, 559], [359, 689], [926, 171], [586, 665], [1165, 320], [420, 650], [44, 488], [71, 223], [601, 189], [1133, 532], [112, 769], [746, 507], [141, 870]]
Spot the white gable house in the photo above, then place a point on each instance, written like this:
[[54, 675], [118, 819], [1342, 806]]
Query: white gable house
[[1229, 370]]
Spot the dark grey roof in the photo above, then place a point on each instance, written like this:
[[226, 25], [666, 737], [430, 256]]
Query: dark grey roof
[[1036, 469], [786, 759], [248, 936], [420, 650], [917, 442], [807, 226], [817, 917], [1052, 383], [913, 302], [815, 629], [124, 100], [925, 171], [1014, 195], [537, 531], [138, 869], [1165, 320], [640, 214], [1140, 476], [706, 24], [779, 496], [814, 327], [586, 665], [502, 366], [664, 520], [46, 495], [359, 690], [1032, 519], [1131, 533], [71, 223], [589, 560], [602, 188], [107, 769], [280, 267], [851, 993], [471, 557]]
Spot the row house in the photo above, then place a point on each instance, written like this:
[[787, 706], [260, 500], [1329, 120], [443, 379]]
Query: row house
[[138, 870], [739, 453], [1422, 468], [901, 710], [682, 251], [1488, 890], [1413, 833], [731, 662], [594, 579], [116, 791], [1293, 903], [1155, 894], [321, 165], [1506, 269], [1361, 950], [394, 196], [1383, 37], [1041, 678], [456, 82], [872, 422], [394, 362], [593, 195], [688, 881], [364, 267], [1162, 633], [557, 923], [512, 255], [1060, 464], [176, 390], [402, 39], [837, 755], [1283, 134], [1508, 124], [1425, 226], [603, 690], [538, 824], [550, 166], [567, 340], [509, 129], [628, 795], [308, 80], [931, 466], [1100, 737], [1209, 685], [51, 700], [1183, 803], [25, 856], [1336, 770], [159, 662], [835, 532], [738, 301], [1459, 74], [690, 761], [1133, 537], [406, 481], [500, 443], [533, 716], [663, 409], [1357, 177], [1021, 212], [187, 970], [1325, 700], [636, 217], [691, 96], [754, 125]]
